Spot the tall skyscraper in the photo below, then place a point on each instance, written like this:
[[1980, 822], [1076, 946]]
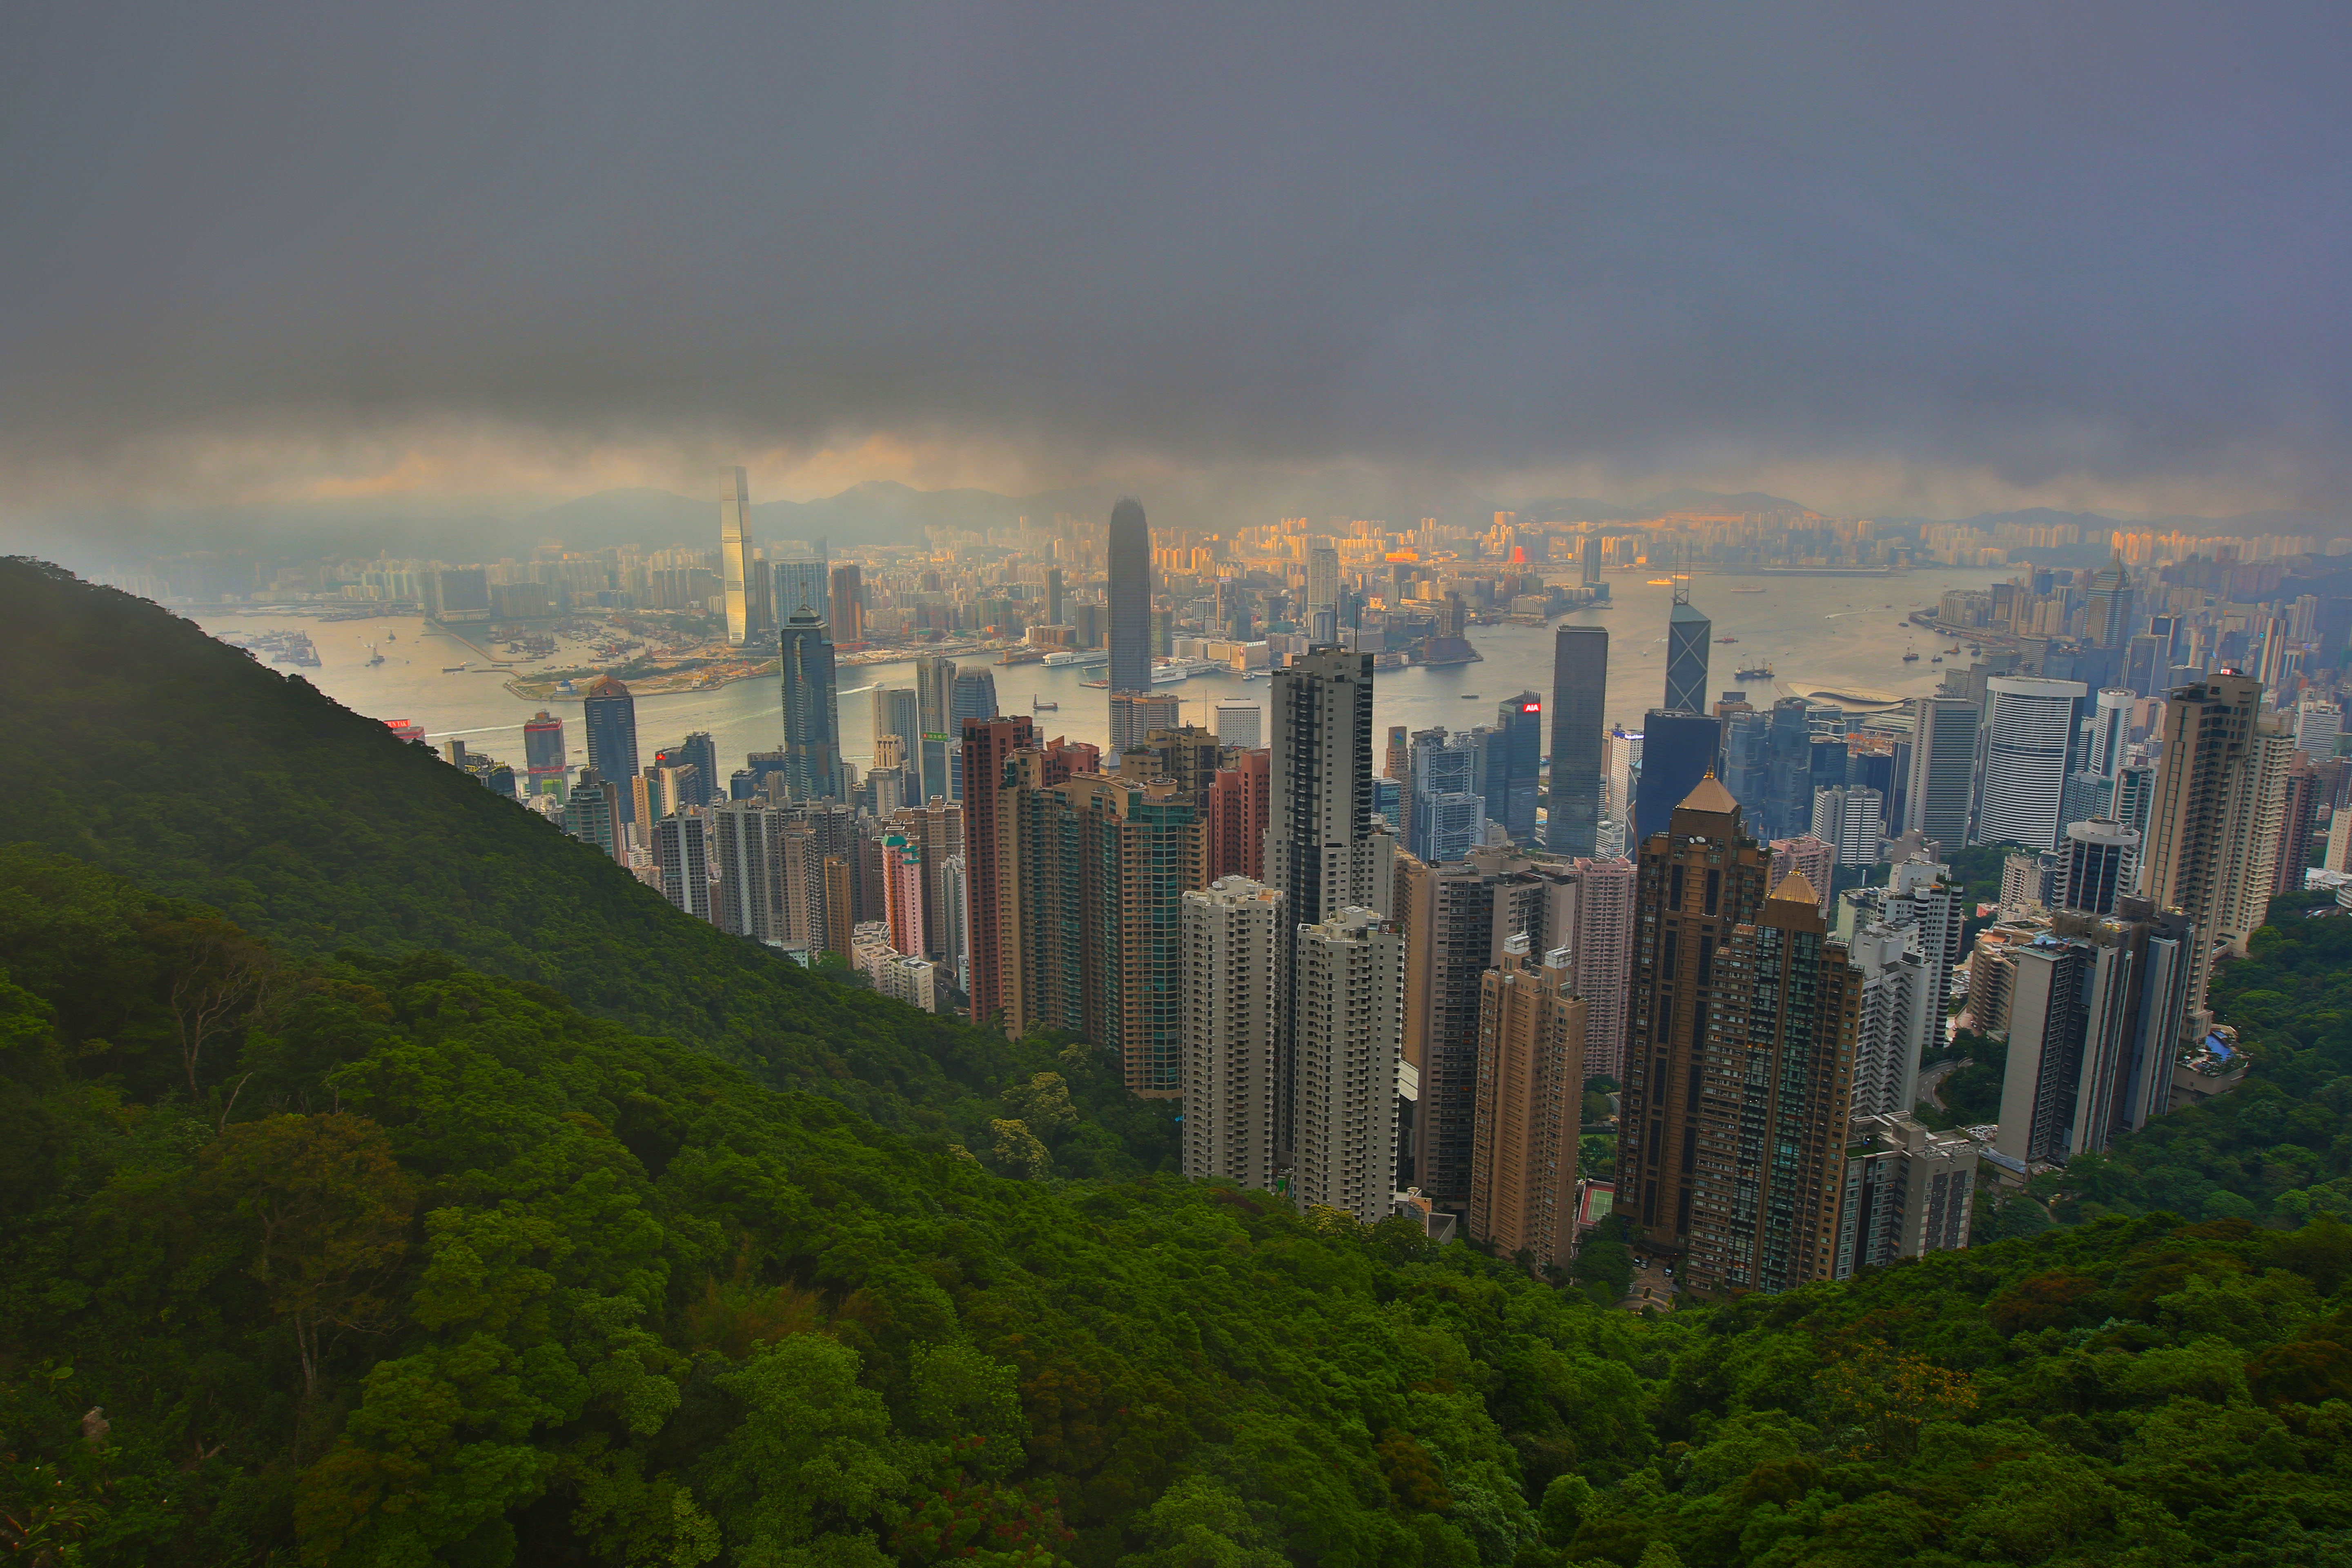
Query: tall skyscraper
[[1701, 877], [1775, 1102], [991, 871], [1235, 947], [1240, 798], [1580, 688], [1320, 850], [846, 592], [812, 713], [592, 811], [1531, 1033], [973, 696], [2298, 818], [735, 554], [2108, 733], [1677, 750], [2029, 730], [1322, 595], [2095, 1013], [682, 854], [2212, 840], [609, 714], [1942, 770], [700, 753], [1899, 1015], [1103, 865], [902, 895], [1687, 633], [2109, 624], [1514, 773], [1446, 815], [1398, 764], [1055, 605], [745, 837], [1344, 1065], [1604, 958], [1129, 598], [544, 757], [897, 712], [1453, 919], [934, 692], [2148, 660], [803, 583]]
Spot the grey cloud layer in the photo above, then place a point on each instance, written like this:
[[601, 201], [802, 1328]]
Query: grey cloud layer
[[2096, 238]]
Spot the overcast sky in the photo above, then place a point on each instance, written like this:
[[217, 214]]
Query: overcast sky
[[1944, 257]]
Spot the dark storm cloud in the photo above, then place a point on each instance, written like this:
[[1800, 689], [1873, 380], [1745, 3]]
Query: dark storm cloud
[[2098, 238]]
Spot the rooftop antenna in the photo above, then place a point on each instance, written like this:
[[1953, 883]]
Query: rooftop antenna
[[1680, 575]]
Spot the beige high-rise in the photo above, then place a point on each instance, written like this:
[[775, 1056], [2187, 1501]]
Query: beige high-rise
[[1531, 1029], [2213, 827], [1232, 974]]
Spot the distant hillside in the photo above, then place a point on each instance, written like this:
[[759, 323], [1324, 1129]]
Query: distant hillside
[[176, 761]]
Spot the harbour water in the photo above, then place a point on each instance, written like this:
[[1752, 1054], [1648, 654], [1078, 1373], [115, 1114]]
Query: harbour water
[[1819, 634]]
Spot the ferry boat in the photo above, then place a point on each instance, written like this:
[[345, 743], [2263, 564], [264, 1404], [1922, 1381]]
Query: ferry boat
[[1070, 655]]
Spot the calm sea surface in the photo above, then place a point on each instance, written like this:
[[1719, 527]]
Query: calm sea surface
[[1818, 633]]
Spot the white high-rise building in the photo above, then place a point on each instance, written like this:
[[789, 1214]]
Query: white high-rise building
[[682, 861], [1322, 595], [1847, 818], [2110, 731], [1899, 1017], [1350, 986], [1240, 722], [2028, 729], [1919, 893], [735, 554], [955, 922], [2316, 725], [1231, 971]]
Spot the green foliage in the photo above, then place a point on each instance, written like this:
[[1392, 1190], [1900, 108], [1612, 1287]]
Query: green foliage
[[466, 1275], [2280, 1147], [182, 764], [326, 1246]]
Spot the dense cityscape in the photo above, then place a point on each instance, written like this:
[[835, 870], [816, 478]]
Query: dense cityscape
[[987, 786], [1437, 972]]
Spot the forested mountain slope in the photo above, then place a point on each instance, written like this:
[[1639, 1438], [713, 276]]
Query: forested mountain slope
[[430, 1267], [179, 761]]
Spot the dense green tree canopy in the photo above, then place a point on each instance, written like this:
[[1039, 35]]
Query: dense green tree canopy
[[400, 1234]]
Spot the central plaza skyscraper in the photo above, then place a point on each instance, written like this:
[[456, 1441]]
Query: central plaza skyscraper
[[1130, 599]]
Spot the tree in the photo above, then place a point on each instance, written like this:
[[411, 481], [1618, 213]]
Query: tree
[[328, 1207], [218, 975], [1197, 1523]]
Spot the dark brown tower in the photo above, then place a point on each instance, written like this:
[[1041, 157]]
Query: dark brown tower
[[1699, 880], [989, 851], [1778, 1101]]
